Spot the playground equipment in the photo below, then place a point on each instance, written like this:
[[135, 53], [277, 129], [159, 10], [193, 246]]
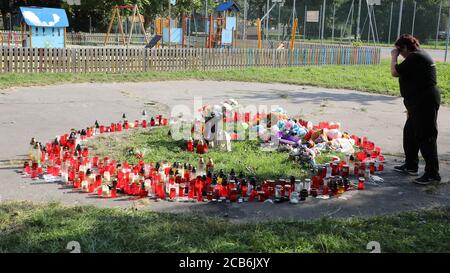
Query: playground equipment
[[46, 27], [222, 31], [218, 29], [171, 34], [117, 11]]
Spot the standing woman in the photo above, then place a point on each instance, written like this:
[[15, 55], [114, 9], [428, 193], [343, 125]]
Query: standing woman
[[417, 78]]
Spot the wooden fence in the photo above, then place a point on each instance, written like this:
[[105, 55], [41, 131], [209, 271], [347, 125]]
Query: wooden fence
[[121, 60]]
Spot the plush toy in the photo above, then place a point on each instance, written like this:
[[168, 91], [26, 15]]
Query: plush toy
[[223, 141], [334, 134], [316, 136]]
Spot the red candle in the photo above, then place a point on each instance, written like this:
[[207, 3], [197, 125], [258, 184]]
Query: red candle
[[56, 170], [191, 191], [224, 192], [247, 117], [345, 171], [172, 194], [143, 192], [218, 190], [98, 180], [190, 145], [205, 147], [253, 194], [199, 188], [95, 161], [77, 183], [361, 181], [362, 170], [334, 169], [372, 167], [315, 182], [159, 120], [85, 152], [26, 168], [244, 189], [261, 196], [233, 195], [380, 166], [200, 147], [181, 190], [34, 173], [356, 169]]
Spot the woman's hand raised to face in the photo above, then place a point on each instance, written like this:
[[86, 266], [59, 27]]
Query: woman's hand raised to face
[[394, 53]]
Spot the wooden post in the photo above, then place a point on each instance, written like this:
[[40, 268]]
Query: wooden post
[[110, 24], [258, 30], [294, 30], [236, 36], [210, 31], [158, 28], [132, 25], [31, 36], [183, 28], [170, 24], [119, 18], [142, 25], [23, 35]]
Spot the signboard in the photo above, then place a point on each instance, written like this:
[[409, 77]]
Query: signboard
[[176, 35], [227, 36], [74, 2], [312, 16], [374, 2], [231, 23]]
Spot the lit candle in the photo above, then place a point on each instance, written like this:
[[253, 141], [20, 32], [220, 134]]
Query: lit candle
[[361, 181]]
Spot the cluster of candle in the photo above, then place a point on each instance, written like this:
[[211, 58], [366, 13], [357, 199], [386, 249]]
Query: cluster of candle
[[68, 157], [201, 147]]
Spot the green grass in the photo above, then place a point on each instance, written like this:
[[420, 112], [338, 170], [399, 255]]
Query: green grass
[[159, 146], [371, 78], [26, 227]]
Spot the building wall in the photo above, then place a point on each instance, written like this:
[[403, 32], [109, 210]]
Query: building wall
[[46, 37]]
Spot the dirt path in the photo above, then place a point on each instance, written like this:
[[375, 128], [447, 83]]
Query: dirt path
[[44, 112]]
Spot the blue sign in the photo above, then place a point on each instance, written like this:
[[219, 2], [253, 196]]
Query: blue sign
[[231, 23], [176, 35], [227, 36], [44, 17]]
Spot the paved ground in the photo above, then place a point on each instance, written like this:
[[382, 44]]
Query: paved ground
[[44, 112]]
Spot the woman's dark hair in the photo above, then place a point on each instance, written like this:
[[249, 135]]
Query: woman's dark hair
[[410, 42]]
